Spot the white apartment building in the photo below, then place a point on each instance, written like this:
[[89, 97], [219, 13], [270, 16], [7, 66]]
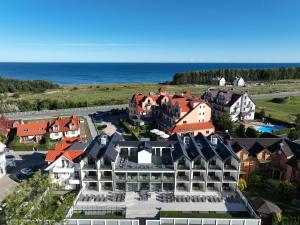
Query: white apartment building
[[240, 106]]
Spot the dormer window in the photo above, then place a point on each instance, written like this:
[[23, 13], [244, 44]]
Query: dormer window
[[26, 129]]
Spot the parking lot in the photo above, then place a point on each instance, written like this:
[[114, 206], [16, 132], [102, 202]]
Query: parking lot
[[28, 159]]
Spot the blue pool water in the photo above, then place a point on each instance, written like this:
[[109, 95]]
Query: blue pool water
[[269, 128]]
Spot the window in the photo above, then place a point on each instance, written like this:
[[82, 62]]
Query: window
[[184, 121], [207, 132]]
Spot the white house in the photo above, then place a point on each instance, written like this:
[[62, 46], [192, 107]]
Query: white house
[[222, 81], [2, 160], [239, 81], [240, 106], [64, 163]]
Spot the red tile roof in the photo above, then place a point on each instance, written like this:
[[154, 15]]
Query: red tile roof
[[41, 127], [190, 127], [63, 124], [61, 149], [32, 129]]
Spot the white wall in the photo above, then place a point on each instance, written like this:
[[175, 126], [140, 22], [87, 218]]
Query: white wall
[[144, 157]]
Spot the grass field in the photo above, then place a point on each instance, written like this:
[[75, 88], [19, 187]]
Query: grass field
[[123, 92], [282, 111]]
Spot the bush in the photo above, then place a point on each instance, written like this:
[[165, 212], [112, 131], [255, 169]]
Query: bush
[[280, 100], [251, 132], [287, 190], [242, 184]]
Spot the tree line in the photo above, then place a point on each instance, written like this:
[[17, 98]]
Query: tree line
[[8, 85], [207, 76]]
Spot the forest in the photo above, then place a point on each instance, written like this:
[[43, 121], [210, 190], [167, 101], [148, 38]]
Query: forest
[[8, 85], [209, 76]]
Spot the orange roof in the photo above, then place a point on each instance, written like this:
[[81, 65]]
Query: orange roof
[[61, 149], [33, 128], [63, 124], [189, 127]]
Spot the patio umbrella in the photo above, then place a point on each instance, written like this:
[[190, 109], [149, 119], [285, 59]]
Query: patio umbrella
[[165, 136], [154, 131], [160, 133]]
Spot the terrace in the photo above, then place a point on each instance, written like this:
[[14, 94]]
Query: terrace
[[182, 202]]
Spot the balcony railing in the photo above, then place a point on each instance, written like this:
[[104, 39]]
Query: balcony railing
[[106, 178], [199, 167], [105, 166], [90, 178], [229, 178], [182, 178], [182, 167], [198, 178], [89, 167], [153, 178], [144, 178], [168, 179], [229, 167], [214, 167], [120, 178], [213, 178], [132, 178]]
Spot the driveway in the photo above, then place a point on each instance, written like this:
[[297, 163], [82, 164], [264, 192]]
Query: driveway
[[7, 186], [111, 121]]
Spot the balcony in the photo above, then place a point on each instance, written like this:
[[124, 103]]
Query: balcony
[[155, 179], [182, 178], [105, 167], [229, 167], [144, 178], [89, 167], [120, 178], [168, 179], [214, 167], [229, 179], [182, 167], [213, 179], [198, 178], [132, 178], [90, 178], [199, 167], [106, 178], [74, 181]]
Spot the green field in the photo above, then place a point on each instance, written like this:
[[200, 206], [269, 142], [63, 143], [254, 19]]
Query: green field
[[123, 92], [282, 111]]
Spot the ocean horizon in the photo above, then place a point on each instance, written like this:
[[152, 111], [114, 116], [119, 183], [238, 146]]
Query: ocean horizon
[[109, 73]]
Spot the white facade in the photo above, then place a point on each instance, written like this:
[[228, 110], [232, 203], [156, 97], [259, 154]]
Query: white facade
[[222, 82], [242, 109], [56, 136], [239, 81], [64, 172], [72, 133], [144, 157], [2, 160]]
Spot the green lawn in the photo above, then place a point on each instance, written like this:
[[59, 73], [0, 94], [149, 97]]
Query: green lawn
[[195, 214], [121, 93], [282, 111]]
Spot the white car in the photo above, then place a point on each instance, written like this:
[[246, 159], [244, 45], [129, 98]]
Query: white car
[[26, 171]]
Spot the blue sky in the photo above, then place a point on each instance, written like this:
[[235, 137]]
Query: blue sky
[[150, 30]]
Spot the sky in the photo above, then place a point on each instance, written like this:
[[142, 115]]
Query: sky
[[150, 31]]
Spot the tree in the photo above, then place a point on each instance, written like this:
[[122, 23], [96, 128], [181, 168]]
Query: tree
[[35, 201], [255, 182], [224, 122], [251, 132], [287, 190], [3, 138], [293, 134], [242, 184], [240, 130], [297, 122]]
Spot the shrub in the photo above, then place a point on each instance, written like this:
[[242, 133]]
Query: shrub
[[287, 190], [251, 132], [242, 184]]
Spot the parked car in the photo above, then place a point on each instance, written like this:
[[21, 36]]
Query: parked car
[[27, 171]]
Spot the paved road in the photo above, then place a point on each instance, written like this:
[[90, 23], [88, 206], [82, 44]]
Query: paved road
[[92, 128], [276, 95], [90, 110], [61, 112]]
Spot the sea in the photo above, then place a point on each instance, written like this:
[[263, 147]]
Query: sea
[[108, 73]]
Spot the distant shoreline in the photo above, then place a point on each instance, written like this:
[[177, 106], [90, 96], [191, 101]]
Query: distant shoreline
[[93, 73]]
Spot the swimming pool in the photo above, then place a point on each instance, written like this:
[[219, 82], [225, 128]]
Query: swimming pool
[[269, 128]]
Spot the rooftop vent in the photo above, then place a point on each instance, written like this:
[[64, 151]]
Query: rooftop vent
[[103, 139], [214, 140]]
